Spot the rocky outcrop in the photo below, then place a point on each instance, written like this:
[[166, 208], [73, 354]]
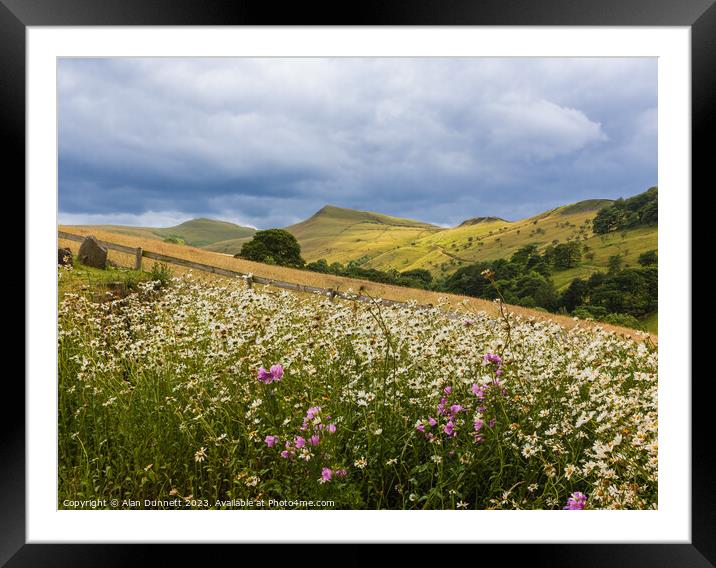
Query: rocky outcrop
[[92, 253]]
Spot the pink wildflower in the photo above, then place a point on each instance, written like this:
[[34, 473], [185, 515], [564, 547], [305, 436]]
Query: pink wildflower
[[314, 440], [300, 442], [449, 429], [576, 501], [326, 474], [478, 391], [274, 374], [271, 440], [277, 372]]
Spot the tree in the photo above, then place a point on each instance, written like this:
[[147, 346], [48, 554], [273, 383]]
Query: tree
[[567, 255], [623, 214], [524, 254], [648, 258], [632, 291], [575, 295], [420, 275], [615, 264], [319, 266], [273, 246]]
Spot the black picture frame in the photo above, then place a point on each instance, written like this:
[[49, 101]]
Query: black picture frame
[[699, 15]]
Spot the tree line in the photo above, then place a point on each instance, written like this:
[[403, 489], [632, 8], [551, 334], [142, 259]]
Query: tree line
[[640, 210]]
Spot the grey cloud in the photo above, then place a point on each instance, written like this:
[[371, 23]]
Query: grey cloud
[[266, 141]]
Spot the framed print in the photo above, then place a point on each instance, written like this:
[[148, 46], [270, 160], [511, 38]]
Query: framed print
[[397, 279]]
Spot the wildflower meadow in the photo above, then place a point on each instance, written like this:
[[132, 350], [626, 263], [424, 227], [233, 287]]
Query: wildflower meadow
[[219, 395]]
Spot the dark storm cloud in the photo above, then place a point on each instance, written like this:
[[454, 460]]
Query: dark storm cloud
[[268, 142]]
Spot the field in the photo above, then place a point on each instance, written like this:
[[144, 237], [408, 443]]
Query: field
[[374, 289], [210, 394]]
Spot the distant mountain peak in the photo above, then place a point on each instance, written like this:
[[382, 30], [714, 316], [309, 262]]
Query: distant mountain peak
[[478, 220], [346, 214], [328, 208], [206, 220]]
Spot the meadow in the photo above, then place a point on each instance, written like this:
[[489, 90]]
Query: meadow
[[211, 394]]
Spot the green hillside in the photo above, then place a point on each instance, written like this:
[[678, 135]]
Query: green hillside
[[196, 232], [201, 232], [229, 246], [342, 235], [444, 252], [384, 243]]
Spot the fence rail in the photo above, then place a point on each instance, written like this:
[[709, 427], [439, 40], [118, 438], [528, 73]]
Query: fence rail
[[139, 253]]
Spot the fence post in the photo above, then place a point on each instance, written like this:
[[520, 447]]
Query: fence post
[[138, 258]]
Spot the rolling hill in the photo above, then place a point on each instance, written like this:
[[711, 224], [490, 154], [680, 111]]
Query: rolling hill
[[342, 235], [383, 242], [196, 232], [491, 238]]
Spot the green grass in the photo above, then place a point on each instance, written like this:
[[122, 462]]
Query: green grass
[[93, 282]]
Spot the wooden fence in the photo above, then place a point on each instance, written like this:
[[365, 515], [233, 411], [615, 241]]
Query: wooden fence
[[140, 253]]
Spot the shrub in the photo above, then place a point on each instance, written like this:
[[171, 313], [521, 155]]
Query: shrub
[[160, 273]]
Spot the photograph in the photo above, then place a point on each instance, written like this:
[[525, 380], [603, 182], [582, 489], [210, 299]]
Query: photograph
[[357, 283]]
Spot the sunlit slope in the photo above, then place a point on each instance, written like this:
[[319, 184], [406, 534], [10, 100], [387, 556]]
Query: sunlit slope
[[197, 232], [445, 251], [628, 244], [342, 235]]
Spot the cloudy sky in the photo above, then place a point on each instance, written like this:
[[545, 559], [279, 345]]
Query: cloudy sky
[[268, 142]]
